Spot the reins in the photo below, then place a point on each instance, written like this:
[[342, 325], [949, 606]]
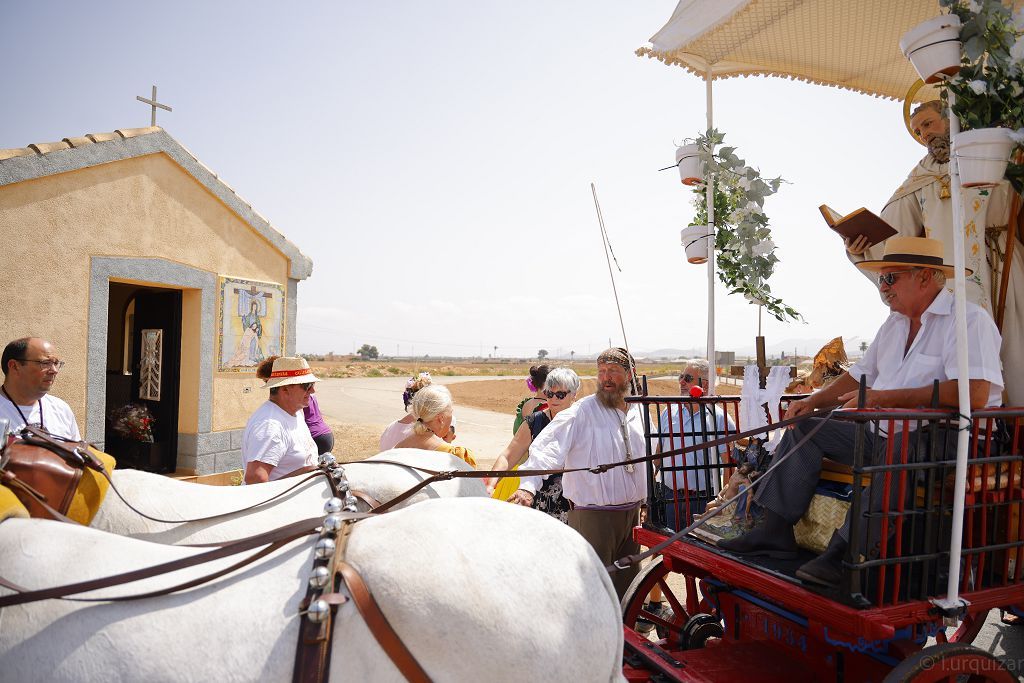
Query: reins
[[629, 560], [445, 475]]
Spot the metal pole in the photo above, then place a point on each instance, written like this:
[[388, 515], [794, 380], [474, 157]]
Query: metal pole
[[952, 599], [710, 188], [604, 241]]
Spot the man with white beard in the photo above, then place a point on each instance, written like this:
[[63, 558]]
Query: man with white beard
[[598, 430], [922, 207]]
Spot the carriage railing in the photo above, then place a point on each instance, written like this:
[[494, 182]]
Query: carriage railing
[[681, 485], [901, 504]]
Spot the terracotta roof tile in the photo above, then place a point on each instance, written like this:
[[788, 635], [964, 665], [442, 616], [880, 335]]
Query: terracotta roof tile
[[102, 137], [79, 141], [133, 132], [15, 152], [47, 147]]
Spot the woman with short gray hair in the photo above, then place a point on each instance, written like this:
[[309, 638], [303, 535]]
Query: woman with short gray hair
[[560, 389]]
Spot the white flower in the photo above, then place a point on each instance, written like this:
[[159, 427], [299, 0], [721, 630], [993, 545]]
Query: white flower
[[978, 87], [974, 6], [752, 207], [1017, 51], [1017, 136], [764, 248]]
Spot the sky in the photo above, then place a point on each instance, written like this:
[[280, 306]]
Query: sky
[[435, 159]]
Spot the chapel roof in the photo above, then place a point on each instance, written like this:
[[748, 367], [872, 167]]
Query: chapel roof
[[42, 159]]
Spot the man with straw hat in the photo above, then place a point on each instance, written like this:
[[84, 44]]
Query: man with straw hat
[[915, 346], [276, 441], [923, 206]]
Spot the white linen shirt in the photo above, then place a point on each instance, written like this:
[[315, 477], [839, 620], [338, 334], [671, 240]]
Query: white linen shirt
[[587, 434], [932, 356]]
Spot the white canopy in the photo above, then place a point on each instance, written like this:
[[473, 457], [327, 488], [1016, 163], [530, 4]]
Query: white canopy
[[852, 44]]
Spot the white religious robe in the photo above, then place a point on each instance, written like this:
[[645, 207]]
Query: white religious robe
[[917, 209]]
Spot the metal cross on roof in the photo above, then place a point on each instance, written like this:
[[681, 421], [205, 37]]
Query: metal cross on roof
[[154, 104]]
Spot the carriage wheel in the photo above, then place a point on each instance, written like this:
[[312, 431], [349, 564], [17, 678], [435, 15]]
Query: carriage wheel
[[948, 662], [968, 630], [656, 574]]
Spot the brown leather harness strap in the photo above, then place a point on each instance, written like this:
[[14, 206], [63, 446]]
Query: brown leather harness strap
[[366, 498], [379, 626], [279, 536]]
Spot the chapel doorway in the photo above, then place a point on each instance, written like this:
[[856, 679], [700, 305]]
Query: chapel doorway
[[143, 371]]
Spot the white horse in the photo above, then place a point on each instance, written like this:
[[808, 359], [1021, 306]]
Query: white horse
[[477, 590], [167, 498]]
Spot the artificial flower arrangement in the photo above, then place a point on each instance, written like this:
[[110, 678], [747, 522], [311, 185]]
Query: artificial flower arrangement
[[745, 253], [133, 421], [989, 88]]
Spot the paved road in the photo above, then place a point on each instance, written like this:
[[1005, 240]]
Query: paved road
[[377, 401]]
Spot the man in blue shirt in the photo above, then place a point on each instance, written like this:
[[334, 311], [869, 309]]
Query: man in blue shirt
[[691, 479]]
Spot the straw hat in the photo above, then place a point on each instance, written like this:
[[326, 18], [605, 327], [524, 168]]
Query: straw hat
[[921, 252], [289, 370]]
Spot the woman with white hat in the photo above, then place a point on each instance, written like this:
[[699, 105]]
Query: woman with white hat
[[276, 441]]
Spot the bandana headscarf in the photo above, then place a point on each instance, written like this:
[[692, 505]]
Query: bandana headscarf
[[620, 356]]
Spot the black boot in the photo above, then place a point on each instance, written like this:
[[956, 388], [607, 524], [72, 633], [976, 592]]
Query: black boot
[[773, 537], [826, 569]]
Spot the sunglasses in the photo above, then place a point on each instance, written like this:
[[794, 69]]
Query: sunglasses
[[557, 394], [307, 387], [687, 377], [890, 278]]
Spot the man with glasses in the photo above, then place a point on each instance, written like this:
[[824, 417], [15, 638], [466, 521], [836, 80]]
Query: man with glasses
[[276, 441], [691, 479], [30, 366], [915, 346]]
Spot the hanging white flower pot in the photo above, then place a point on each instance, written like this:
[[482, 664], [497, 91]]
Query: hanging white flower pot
[[691, 169], [695, 241], [982, 155], [934, 47]]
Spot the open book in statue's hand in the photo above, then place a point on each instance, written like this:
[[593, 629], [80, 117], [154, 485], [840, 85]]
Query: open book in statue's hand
[[857, 223]]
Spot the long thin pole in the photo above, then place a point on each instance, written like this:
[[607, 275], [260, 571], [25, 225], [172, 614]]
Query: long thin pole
[[710, 189], [952, 599], [607, 256]]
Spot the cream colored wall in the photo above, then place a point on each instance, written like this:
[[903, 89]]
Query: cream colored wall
[[146, 207]]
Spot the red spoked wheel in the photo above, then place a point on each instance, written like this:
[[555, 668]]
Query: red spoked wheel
[[951, 662], [684, 602]]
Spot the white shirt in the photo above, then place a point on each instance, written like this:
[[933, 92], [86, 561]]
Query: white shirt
[[587, 434], [694, 429], [278, 438], [932, 356], [57, 417]]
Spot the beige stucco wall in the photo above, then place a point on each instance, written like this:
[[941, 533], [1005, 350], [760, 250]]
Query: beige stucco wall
[[147, 207]]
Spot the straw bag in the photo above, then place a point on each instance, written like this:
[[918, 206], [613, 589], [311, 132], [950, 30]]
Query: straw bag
[[825, 514]]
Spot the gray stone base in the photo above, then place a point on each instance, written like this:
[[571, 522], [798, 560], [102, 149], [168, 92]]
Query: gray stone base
[[211, 452]]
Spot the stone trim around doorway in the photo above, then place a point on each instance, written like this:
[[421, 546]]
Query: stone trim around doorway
[[162, 273]]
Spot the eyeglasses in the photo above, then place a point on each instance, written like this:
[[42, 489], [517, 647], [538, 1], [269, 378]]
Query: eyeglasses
[[307, 387], [890, 278], [687, 377], [557, 394], [45, 364]]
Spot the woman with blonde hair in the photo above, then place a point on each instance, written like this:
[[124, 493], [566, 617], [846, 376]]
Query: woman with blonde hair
[[431, 409], [401, 428]]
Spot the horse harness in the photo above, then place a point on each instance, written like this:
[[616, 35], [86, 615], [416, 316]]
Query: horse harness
[[42, 469]]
